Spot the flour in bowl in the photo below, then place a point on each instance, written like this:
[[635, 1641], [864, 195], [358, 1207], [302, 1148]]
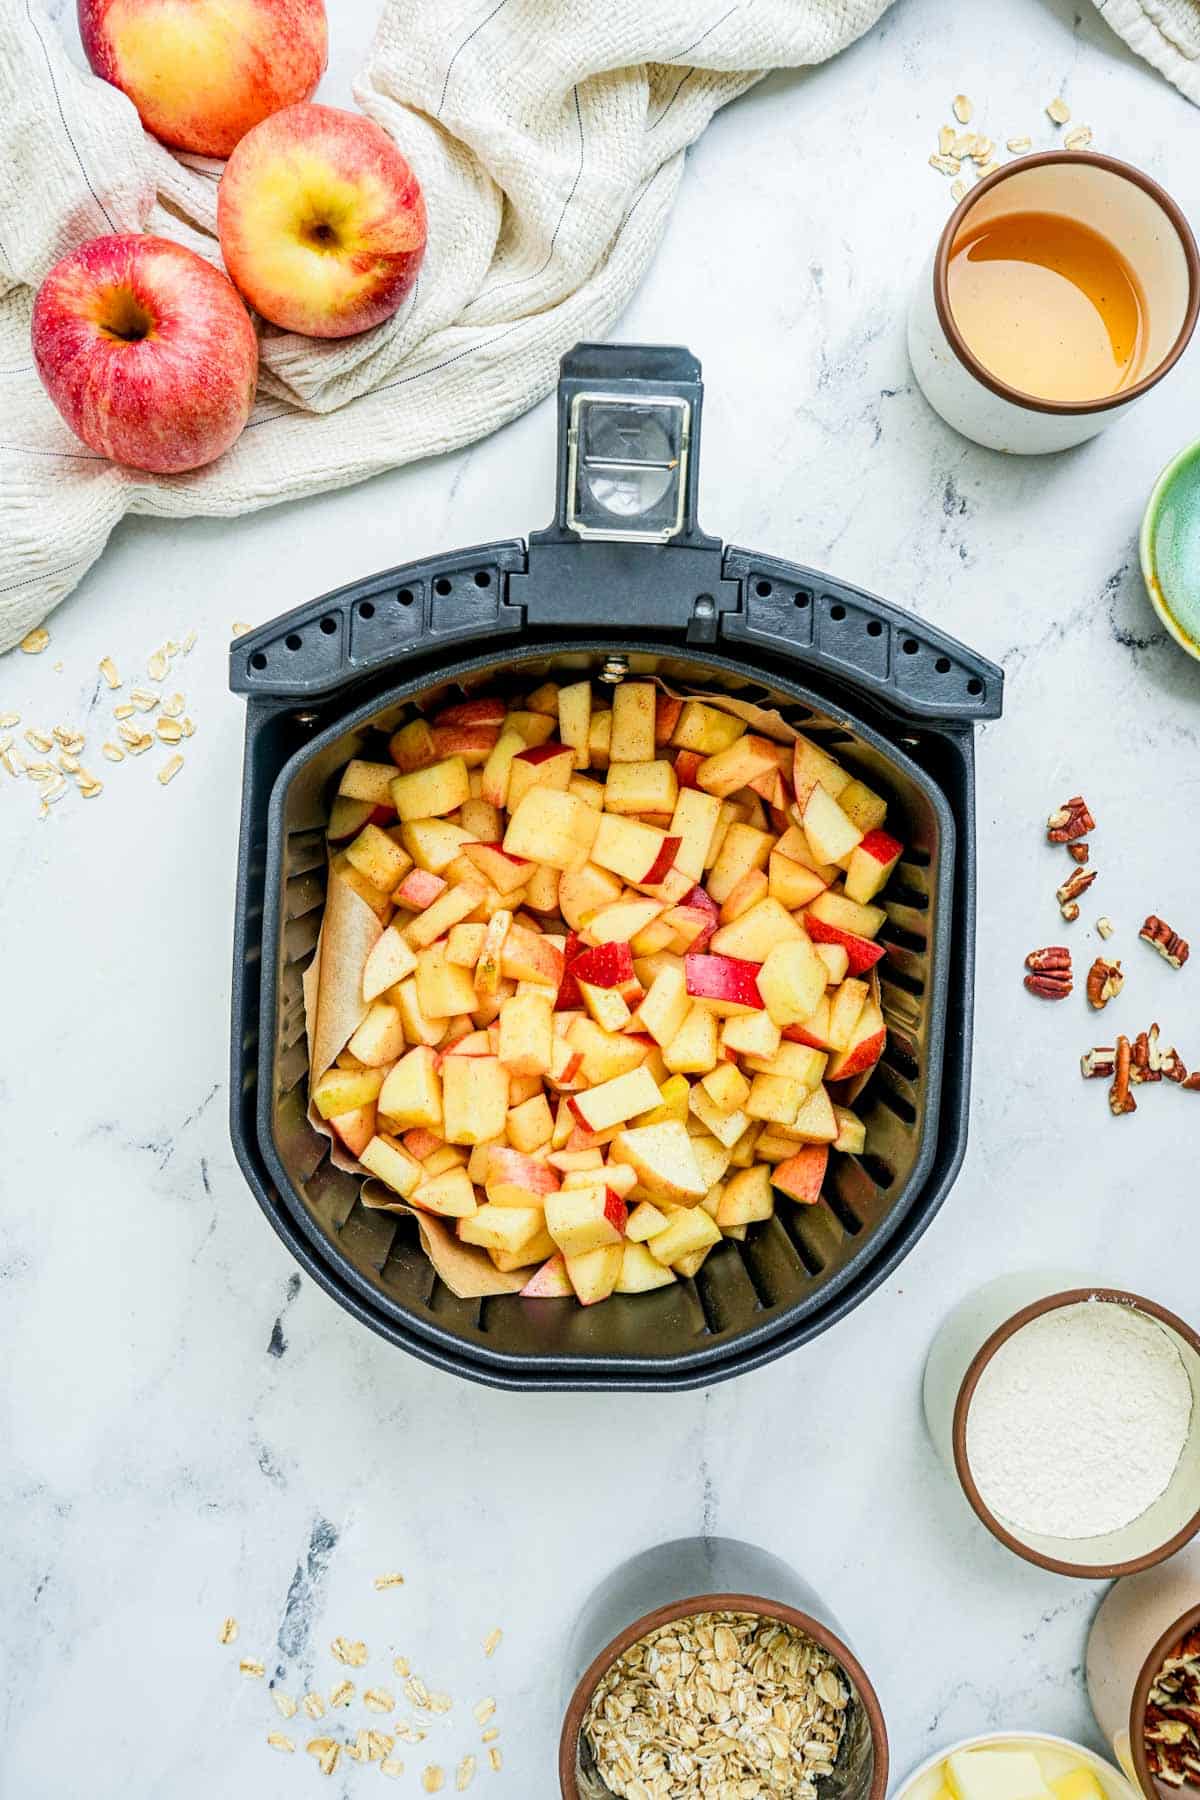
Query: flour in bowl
[[1078, 1421]]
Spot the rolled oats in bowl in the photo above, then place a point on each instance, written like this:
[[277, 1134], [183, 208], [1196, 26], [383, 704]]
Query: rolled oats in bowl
[[718, 1706]]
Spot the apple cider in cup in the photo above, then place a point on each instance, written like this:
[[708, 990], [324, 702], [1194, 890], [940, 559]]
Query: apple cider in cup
[[615, 988]]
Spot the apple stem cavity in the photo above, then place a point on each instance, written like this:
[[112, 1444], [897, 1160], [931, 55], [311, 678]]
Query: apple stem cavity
[[125, 318]]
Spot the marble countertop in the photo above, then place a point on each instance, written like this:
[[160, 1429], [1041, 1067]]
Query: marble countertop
[[192, 1429]]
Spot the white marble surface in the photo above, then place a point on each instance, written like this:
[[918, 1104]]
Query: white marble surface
[[186, 1417]]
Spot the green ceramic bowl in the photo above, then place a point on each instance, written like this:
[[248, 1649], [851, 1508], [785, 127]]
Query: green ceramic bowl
[[1170, 548]]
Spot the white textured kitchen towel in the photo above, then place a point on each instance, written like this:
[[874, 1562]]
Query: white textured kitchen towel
[[549, 136]]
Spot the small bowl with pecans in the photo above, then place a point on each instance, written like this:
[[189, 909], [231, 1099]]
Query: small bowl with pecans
[[717, 1691]]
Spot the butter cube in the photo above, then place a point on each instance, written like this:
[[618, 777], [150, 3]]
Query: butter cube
[[1078, 1784], [996, 1775]]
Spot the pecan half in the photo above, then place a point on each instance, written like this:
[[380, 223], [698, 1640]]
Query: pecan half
[[1141, 1068], [1102, 1061], [1078, 852], [1120, 1100], [1049, 975], [1069, 821], [1170, 946], [1104, 983], [1077, 883]]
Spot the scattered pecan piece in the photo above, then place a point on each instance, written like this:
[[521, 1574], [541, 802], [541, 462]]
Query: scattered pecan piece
[[1105, 927], [1050, 975], [1104, 983], [1120, 1100], [1078, 852], [1191, 1083], [1067, 895], [1069, 821], [1170, 946], [1102, 1061], [1141, 1068]]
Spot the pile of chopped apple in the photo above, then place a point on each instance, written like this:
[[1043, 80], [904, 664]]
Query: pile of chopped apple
[[626, 967]]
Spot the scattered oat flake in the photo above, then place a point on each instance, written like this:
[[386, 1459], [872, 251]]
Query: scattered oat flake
[[89, 786], [285, 1706], [12, 761], [440, 1703], [143, 699], [981, 149], [962, 109], [433, 1779], [484, 1710], [278, 1741], [186, 727], [37, 740], [492, 1641], [958, 189], [946, 137], [986, 168], [342, 1694], [239, 628], [358, 1751], [378, 1700], [228, 1632], [108, 669], [170, 770], [327, 1752], [55, 788], [1017, 144], [495, 1759], [124, 711], [379, 1746], [389, 1581], [70, 765], [173, 705], [402, 1666], [962, 145], [408, 1734], [113, 752], [489, 1737], [1078, 138], [351, 1652], [252, 1665], [35, 641], [188, 643], [946, 165], [391, 1767], [7, 719], [1059, 111], [465, 1774], [314, 1706], [169, 730], [157, 665], [139, 742]]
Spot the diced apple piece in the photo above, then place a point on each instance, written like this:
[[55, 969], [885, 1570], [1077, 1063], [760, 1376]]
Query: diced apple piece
[[474, 1098], [725, 1123], [753, 1034], [743, 849], [870, 865], [605, 1053], [641, 1272], [433, 844], [343, 1090], [812, 766], [695, 1048], [686, 1232], [501, 1227], [665, 1006], [526, 1044], [865, 1046], [620, 924], [645, 1221], [633, 711], [614, 1102], [534, 727], [737, 766], [431, 793], [791, 883], [743, 896], [450, 1194], [775, 1099], [542, 765], [852, 1133], [530, 1125], [831, 835], [606, 965], [379, 1040], [844, 1012], [705, 729], [599, 738], [505, 872], [368, 781], [355, 1129], [792, 981], [474, 743], [814, 1030], [631, 850], [419, 1028], [693, 822], [458, 903], [574, 719], [390, 1163], [411, 747], [583, 1219], [607, 1006], [863, 805], [553, 828], [814, 1123], [756, 933], [746, 1198], [861, 953], [640, 787], [497, 770], [347, 818], [478, 711], [836, 959], [538, 1250], [419, 889], [515, 1179], [482, 820], [726, 1086], [541, 894], [412, 1092], [378, 858], [443, 989], [551, 1281], [837, 909], [532, 956], [379, 902], [801, 1176], [661, 1156], [594, 1275], [725, 985], [794, 846], [585, 891], [390, 961]]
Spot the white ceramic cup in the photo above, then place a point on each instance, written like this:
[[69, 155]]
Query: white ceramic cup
[[1131, 211], [1139, 1622], [967, 1341], [924, 1782]]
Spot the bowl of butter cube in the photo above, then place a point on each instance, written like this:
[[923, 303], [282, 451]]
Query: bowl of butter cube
[[1017, 1766]]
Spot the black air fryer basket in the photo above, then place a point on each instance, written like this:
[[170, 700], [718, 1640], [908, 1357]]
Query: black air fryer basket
[[624, 582]]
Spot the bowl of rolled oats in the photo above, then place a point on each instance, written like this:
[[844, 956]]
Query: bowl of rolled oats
[[719, 1695]]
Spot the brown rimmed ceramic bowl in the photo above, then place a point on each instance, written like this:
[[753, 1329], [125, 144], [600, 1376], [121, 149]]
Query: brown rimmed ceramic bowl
[[1151, 1785], [861, 1770], [1134, 213], [1137, 1625], [1156, 1534]]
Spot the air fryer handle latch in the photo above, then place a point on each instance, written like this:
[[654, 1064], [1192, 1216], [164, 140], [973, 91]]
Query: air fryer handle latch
[[625, 548]]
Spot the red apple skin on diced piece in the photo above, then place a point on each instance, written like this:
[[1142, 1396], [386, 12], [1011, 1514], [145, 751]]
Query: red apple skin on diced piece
[[569, 997], [871, 863], [660, 868], [472, 712], [865, 1047], [412, 746], [666, 716], [551, 1281], [515, 1179], [725, 979], [687, 762], [862, 952], [604, 966], [419, 889], [802, 1175], [540, 753], [474, 743], [347, 818]]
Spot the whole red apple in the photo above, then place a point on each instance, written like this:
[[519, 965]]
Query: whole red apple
[[147, 352], [202, 72], [322, 222]]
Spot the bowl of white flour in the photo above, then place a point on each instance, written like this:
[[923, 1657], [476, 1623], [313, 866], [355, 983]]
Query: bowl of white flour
[[1071, 1417]]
